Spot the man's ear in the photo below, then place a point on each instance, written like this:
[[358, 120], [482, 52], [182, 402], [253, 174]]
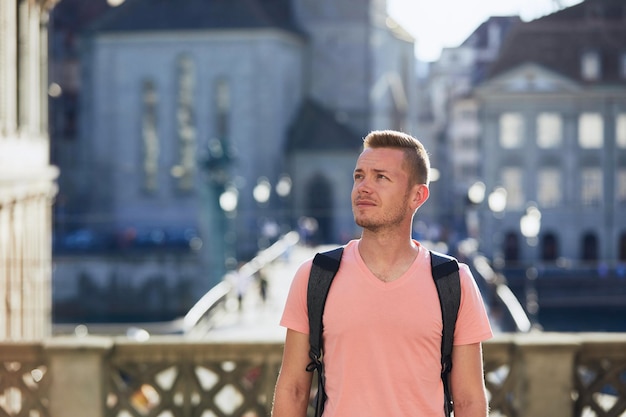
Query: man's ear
[[420, 195]]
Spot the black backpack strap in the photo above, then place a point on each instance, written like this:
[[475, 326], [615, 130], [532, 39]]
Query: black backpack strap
[[445, 270], [325, 266]]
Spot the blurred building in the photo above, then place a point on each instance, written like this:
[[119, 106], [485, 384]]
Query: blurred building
[[195, 131], [27, 180], [449, 122], [553, 114]]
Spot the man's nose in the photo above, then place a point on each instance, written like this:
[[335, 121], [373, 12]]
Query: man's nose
[[363, 186]]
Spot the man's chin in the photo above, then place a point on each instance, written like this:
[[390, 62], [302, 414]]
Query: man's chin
[[366, 224]]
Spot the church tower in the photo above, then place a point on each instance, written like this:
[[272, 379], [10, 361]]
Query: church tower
[[360, 63], [340, 55]]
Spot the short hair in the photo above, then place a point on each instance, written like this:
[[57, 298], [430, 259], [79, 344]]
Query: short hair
[[415, 156]]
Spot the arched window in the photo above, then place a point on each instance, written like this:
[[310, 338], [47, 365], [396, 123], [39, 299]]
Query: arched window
[[549, 247], [589, 247], [185, 117], [319, 206], [511, 247], [151, 147]]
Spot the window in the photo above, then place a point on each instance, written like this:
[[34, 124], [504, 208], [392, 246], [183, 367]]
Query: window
[[467, 142], [549, 130], [511, 130], [469, 171], [549, 192], [511, 247], [512, 181], [590, 66], [591, 186], [589, 247], [620, 130], [620, 185], [184, 170], [590, 131], [150, 137], [549, 247]]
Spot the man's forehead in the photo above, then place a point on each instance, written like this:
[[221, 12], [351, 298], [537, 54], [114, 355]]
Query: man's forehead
[[382, 157]]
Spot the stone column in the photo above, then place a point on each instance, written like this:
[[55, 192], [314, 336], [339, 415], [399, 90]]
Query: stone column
[[546, 374], [78, 378]]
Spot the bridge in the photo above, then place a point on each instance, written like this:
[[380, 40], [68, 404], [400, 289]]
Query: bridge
[[222, 359]]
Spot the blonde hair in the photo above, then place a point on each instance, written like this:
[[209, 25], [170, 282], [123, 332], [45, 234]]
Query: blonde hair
[[416, 158]]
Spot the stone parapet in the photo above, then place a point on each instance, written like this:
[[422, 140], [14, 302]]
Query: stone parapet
[[527, 375]]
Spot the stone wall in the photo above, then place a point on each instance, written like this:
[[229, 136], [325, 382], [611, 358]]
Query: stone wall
[[527, 375]]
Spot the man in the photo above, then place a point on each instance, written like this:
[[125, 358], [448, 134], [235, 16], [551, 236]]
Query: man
[[382, 320]]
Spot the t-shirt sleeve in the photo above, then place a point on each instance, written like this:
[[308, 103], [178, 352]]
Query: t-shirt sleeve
[[472, 325], [295, 315]]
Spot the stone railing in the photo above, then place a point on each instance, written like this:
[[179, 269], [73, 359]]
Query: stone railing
[[527, 375]]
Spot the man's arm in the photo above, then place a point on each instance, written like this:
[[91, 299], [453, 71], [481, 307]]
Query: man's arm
[[467, 381], [291, 396]]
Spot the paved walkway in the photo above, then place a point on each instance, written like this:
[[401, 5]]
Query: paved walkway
[[256, 320]]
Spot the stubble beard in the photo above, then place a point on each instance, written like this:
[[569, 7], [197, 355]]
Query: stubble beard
[[389, 218]]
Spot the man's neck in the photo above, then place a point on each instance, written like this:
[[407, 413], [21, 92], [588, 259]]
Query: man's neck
[[387, 257]]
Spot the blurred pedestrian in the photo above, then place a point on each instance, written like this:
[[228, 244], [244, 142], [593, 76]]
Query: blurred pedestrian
[[262, 285], [242, 282]]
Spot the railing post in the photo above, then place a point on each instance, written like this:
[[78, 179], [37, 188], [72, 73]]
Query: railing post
[[76, 367], [546, 374]]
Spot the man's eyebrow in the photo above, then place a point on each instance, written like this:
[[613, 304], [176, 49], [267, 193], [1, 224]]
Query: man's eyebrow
[[376, 170]]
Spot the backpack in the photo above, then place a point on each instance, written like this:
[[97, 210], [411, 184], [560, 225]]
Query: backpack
[[445, 271]]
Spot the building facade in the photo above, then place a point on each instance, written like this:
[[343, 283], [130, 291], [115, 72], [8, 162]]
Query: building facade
[[553, 114], [27, 180], [450, 125], [206, 128]]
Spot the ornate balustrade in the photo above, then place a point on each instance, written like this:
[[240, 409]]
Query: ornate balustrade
[[527, 375]]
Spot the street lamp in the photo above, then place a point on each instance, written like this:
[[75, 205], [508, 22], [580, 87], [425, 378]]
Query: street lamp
[[530, 225], [476, 193], [283, 190], [220, 199], [283, 186], [228, 201], [497, 201], [262, 191], [268, 228], [476, 196]]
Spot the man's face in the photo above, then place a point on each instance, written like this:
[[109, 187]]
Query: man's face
[[381, 192]]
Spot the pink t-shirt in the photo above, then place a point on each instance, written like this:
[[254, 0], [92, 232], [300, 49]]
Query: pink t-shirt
[[382, 341]]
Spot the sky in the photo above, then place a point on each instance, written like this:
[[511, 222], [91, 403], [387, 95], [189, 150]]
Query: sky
[[447, 23]]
